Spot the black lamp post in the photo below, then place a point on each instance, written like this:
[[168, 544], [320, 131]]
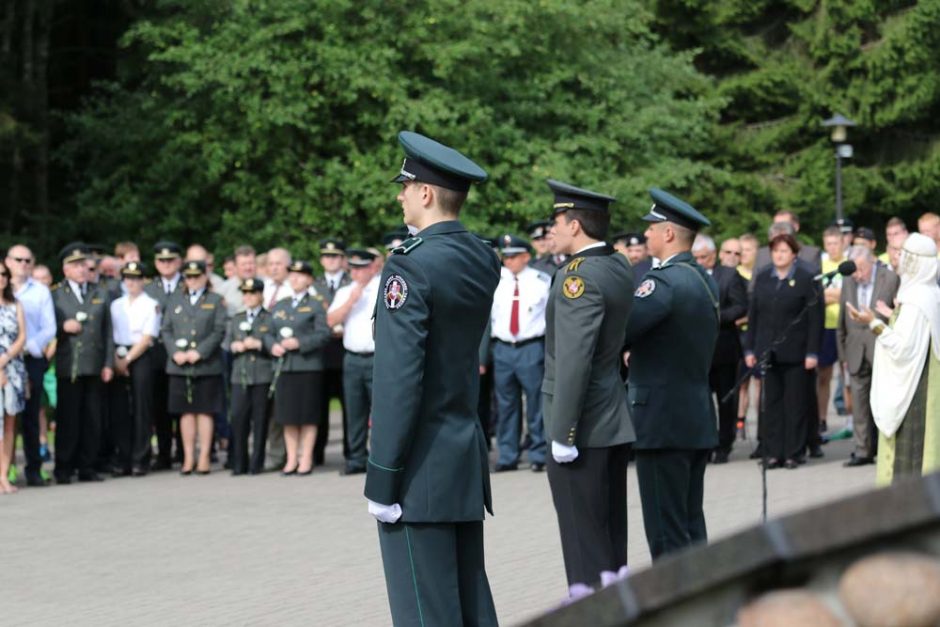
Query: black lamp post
[[839, 125]]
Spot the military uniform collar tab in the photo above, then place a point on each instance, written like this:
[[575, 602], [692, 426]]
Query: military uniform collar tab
[[440, 228], [596, 251], [683, 257]]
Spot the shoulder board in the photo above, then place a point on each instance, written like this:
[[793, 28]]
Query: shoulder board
[[407, 246], [55, 286], [574, 264], [148, 281], [317, 297]]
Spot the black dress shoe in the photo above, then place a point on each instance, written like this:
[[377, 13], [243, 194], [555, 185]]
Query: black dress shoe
[[506, 467], [815, 451], [772, 462], [185, 472], [304, 473], [756, 454], [120, 472], [288, 473], [63, 479], [138, 471], [538, 467], [35, 480], [353, 470], [89, 477], [791, 464], [160, 464], [721, 457], [858, 461]]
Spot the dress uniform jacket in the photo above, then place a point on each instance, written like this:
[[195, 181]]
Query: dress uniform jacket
[[308, 321], [250, 367], [671, 334], [583, 397], [203, 324], [428, 449], [94, 346]]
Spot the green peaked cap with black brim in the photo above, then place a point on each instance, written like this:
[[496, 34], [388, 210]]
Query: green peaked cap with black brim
[[432, 162]]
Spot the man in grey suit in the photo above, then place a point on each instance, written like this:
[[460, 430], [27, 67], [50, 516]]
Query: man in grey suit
[[871, 284], [584, 403]]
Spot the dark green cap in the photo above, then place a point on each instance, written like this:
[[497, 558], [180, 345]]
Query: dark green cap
[[568, 196], [668, 208], [431, 162], [359, 257]]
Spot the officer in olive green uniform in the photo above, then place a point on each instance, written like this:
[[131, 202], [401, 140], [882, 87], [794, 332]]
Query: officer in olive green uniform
[[84, 359], [671, 337], [427, 480], [584, 402], [251, 377]]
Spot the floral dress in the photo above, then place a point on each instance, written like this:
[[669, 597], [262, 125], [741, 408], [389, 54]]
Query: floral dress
[[14, 392]]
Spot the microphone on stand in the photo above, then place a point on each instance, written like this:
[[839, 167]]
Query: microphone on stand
[[845, 269]]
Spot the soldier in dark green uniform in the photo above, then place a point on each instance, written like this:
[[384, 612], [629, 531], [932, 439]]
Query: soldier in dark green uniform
[[251, 377], [584, 402], [539, 232], [671, 337], [427, 480], [84, 360], [192, 331]]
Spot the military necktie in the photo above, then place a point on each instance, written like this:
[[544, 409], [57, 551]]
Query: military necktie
[[514, 315]]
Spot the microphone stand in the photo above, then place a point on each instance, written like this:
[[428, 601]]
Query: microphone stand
[[763, 365]]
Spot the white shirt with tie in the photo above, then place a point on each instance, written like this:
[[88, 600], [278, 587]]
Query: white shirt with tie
[[132, 319], [274, 292], [79, 290], [169, 285], [357, 328], [865, 290], [534, 289]]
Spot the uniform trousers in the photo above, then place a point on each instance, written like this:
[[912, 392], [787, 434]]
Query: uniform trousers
[[357, 390], [435, 574], [590, 497], [35, 371], [863, 423], [162, 419], [517, 370], [78, 424], [722, 379], [131, 412], [249, 413], [782, 424], [672, 485], [332, 388]]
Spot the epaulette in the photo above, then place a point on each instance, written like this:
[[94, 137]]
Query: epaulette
[[148, 281], [55, 286], [574, 264], [407, 246]]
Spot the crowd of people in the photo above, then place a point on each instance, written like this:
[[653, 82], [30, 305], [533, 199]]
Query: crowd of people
[[247, 363]]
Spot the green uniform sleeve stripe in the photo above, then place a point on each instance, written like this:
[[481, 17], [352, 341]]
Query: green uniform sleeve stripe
[[414, 575], [384, 467]]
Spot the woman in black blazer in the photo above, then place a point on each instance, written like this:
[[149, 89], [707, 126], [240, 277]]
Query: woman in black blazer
[[785, 318]]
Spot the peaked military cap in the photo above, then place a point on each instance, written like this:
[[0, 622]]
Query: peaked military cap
[[75, 251], [167, 250], [194, 267], [133, 269], [301, 266], [630, 239], [845, 225], [570, 197], [251, 285], [359, 257], [539, 229], [668, 208], [431, 162], [96, 250], [393, 238], [332, 246], [863, 232], [510, 245]]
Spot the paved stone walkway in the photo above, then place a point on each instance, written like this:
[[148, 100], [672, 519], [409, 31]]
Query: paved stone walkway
[[267, 550]]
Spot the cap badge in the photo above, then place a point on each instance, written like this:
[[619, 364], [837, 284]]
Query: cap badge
[[408, 175], [646, 288], [396, 292], [573, 287]]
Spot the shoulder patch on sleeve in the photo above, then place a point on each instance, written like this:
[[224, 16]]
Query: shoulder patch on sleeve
[[574, 264], [573, 287], [646, 288], [396, 292], [407, 246]]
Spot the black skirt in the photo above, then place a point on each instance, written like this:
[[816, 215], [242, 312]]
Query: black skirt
[[297, 398], [206, 394]]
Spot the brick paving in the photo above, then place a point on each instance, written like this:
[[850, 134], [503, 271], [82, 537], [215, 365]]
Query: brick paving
[[268, 550]]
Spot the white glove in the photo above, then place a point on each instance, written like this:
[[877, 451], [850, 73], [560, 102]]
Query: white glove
[[385, 513], [564, 454]]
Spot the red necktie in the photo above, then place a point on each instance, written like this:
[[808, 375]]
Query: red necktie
[[273, 301], [514, 316]]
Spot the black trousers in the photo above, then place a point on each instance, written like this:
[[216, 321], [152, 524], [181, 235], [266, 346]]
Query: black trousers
[[35, 370], [131, 413], [672, 486], [162, 419], [332, 388], [722, 379], [590, 497], [249, 414], [357, 381], [435, 574], [813, 437], [78, 424], [783, 428]]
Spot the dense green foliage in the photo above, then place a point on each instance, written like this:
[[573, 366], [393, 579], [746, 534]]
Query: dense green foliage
[[264, 121], [225, 121]]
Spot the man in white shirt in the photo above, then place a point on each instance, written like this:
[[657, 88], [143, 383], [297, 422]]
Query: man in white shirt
[[517, 321], [352, 307], [135, 324], [40, 330], [276, 286], [244, 269]]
